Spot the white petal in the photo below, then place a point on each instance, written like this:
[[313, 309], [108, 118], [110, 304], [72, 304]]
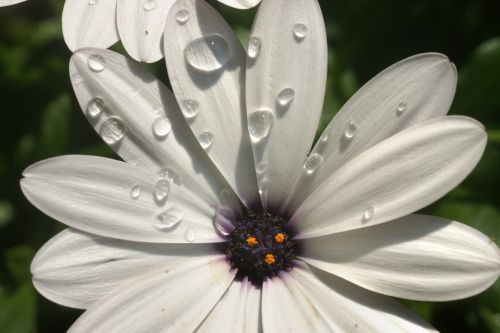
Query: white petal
[[237, 311], [138, 100], [9, 2], [241, 4], [416, 257], [291, 63], [77, 269], [349, 308], [206, 68], [89, 23], [141, 25], [411, 91], [167, 300], [285, 308], [94, 194], [400, 175]]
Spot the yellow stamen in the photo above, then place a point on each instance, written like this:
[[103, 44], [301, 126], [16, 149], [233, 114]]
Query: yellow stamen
[[252, 241], [279, 238], [269, 259]]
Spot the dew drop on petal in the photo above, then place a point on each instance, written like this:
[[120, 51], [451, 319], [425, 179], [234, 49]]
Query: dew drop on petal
[[95, 106], [190, 235], [261, 167], [254, 46], [285, 96], [112, 130], [170, 174], [190, 108], [368, 214], [182, 16], [150, 5], [263, 185], [222, 222], [260, 124], [402, 107], [161, 190], [92, 2], [300, 31], [161, 127], [208, 53], [136, 191], [96, 63], [206, 140], [350, 130], [168, 219], [312, 163]]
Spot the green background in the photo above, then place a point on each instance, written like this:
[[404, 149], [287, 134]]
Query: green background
[[40, 118]]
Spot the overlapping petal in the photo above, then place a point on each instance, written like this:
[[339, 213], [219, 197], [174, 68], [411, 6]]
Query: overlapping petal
[[400, 175], [9, 2]]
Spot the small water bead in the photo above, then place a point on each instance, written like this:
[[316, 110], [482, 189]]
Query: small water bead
[[206, 140], [254, 46], [161, 127], [168, 219], [300, 31], [261, 167], [190, 235], [263, 185], [170, 174], [92, 2], [96, 63], [112, 130], [208, 53], [135, 192], [182, 16], [260, 124], [161, 190], [312, 163], [368, 214], [76, 79], [350, 130], [402, 107], [190, 108], [286, 96], [95, 106], [150, 5]]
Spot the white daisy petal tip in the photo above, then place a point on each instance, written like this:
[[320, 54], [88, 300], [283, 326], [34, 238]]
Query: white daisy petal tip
[[241, 4], [4, 3]]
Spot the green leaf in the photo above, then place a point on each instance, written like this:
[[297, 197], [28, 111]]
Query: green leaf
[[6, 213], [17, 310]]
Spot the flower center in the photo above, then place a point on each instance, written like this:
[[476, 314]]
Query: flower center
[[260, 246]]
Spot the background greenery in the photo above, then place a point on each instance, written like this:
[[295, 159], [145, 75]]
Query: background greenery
[[41, 119]]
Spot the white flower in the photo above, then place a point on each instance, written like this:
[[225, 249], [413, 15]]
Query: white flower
[[4, 3], [150, 238], [139, 24]]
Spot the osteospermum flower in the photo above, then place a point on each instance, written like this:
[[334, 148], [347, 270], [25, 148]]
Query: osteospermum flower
[[209, 227]]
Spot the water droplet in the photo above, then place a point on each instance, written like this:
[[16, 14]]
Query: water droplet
[[135, 192], [190, 108], [182, 16], [161, 190], [112, 130], [263, 186], [350, 130], [76, 79], [312, 163], [95, 106], [285, 96], [260, 124], [161, 127], [92, 2], [170, 174], [300, 31], [402, 107], [368, 214], [254, 46], [206, 140], [96, 63], [261, 167], [208, 53], [168, 219], [190, 235], [150, 5], [222, 221]]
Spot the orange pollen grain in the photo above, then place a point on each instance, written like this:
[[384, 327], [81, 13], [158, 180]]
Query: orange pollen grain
[[252, 241], [279, 238], [269, 259]]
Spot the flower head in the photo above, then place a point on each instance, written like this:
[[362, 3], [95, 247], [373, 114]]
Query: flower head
[[214, 222]]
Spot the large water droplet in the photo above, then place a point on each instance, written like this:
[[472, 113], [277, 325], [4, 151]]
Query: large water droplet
[[96, 63], [312, 163], [261, 167], [95, 106], [170, 174], [150, 5], [222, 222], [402, 107], [182, 16], [112, 130], [300, 31], [161, 127], [285, 96], [206, 140], [161, 190], [350, 130], [190, 235], [136, 191], [208, 53], [254, 46], [260, 124], [190, 108], [168, 219], [368, 214]]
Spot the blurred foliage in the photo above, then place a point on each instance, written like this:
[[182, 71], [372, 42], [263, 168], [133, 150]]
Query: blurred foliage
[[41, 119]]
